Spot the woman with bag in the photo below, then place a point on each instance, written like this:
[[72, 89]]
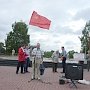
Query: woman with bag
[[55, 57]]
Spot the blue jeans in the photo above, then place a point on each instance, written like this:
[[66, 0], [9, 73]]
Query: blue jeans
[[27, 64], [64, 64], [88, 65]]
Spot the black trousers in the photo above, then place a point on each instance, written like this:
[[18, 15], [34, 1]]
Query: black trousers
[[54, 67], [22, 65], [88, 65], [64, 64], [27, 64]]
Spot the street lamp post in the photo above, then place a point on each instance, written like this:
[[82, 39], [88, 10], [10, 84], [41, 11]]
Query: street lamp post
[[85, 48]]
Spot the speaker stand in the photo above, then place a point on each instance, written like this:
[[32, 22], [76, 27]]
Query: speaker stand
[[72, 84]]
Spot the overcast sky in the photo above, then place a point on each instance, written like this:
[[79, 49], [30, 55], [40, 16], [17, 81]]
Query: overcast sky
[[68, 18]]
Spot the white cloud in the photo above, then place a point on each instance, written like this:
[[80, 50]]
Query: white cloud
[[68, 19], [83, 14], [72, 12], [76, 25]]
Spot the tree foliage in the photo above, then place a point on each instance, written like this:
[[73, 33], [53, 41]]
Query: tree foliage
[[2, 49], [48, 54], [16, 37], [85, 38], [71, 53]]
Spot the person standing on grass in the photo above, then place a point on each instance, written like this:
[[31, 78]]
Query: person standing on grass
[[13, 52]]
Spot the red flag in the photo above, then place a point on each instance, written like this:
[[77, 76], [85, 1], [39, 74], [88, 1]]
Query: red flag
[[40, 21]]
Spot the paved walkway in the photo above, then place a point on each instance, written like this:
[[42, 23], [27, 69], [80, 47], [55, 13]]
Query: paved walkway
[[11, 81]]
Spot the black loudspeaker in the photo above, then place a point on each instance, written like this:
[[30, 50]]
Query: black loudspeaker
[[74, 72]]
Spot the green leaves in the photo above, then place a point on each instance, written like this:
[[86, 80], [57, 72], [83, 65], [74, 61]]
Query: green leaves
[[85, 37], [48, 54], [2, 49], [71, 53], [16, 37]]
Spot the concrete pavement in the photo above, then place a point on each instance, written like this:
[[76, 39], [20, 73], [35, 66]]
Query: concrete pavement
[[9, 80]]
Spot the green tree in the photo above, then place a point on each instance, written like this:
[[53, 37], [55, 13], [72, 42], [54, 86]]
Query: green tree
[[2, 49], [16, 37], [70, 54], [48, 54], [85, 38]]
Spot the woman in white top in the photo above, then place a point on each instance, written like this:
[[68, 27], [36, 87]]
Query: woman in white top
[[55, 57]]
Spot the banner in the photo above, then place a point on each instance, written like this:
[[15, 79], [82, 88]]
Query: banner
[[40, 21]]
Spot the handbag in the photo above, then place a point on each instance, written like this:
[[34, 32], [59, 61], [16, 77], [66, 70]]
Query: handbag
[[42, 69]]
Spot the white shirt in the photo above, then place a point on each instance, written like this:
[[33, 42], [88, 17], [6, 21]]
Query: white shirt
[[27, 51], [55, 57], [38, 53]]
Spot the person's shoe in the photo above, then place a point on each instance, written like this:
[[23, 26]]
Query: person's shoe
[[32, 78], [61, 72], [56, 71], [16, 72], [27, 72], [38, 78], [22, 72]]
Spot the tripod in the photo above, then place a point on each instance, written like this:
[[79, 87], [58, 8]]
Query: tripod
[[73, 83], [34, 69], [34, 76]]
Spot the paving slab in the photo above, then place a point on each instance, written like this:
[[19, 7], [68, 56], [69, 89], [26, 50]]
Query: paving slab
[[9, 80]]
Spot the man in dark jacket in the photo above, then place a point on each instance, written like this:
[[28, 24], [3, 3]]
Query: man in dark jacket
[[63, 56]]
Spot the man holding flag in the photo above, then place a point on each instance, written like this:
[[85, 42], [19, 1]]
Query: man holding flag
[[37, 53]]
